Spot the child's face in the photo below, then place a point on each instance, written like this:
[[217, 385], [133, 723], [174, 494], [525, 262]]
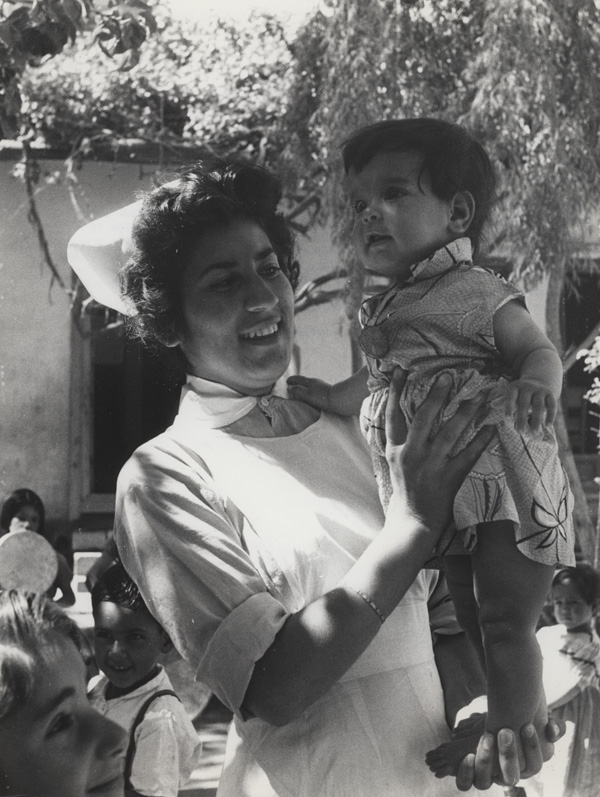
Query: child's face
[[127, 643], [570, 608], [26, 519], [56, 744], [398, 220]]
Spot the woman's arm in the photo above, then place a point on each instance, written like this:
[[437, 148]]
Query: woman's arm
[[316, 646], [537, 368]]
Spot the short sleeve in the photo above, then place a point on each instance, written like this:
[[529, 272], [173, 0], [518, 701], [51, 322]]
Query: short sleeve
[[481, 293], [164, 756], [182, 545]]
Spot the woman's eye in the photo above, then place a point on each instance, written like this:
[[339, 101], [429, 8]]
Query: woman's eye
[[61, 723], [223, 284], [271, 270]]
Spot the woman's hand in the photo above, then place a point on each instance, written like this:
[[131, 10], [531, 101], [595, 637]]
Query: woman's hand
[[476, 769], [423, 469]]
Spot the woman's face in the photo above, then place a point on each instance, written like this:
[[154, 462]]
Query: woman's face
[[26, 519], [56, 744], [238, 309]]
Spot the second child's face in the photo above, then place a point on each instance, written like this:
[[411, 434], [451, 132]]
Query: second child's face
[[570, 607], [127, 643], [26, 519], [398, 220]]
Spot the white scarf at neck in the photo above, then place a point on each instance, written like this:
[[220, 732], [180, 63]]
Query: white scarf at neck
[[217, 405]]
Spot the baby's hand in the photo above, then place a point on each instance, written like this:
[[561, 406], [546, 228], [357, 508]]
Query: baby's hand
[[313, 391], [531, 404]]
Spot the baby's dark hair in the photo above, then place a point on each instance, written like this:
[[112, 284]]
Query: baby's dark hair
[[452, 158], [16, 501], [585, 577], [115, 585], [207, 195]]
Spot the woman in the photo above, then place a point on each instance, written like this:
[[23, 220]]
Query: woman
[[23, 510], [252, 525]]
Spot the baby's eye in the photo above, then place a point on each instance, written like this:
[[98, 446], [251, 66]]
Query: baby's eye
[[62, 722], [393, 192], [358, 205]]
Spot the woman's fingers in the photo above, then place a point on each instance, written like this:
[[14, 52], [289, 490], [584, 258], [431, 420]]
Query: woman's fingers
[[422, 424], [508, 757], [395, 422]]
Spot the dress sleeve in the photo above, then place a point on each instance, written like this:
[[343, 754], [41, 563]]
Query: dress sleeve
[[183, 546], [487, 292]]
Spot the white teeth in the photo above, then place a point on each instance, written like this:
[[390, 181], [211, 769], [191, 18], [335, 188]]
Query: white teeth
[[260, 333]]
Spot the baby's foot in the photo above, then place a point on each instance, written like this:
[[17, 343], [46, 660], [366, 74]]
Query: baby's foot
[[445, 759]]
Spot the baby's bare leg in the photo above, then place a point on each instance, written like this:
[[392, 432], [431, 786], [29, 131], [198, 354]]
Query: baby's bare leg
[[510, 590], [459, 577]]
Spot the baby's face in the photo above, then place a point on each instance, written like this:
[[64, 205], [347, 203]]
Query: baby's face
[[398, 220], [56, 744], [127, 643]]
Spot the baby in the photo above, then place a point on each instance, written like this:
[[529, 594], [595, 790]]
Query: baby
[[421, 191]]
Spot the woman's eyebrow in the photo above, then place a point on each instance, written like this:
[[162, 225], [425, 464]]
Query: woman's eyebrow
[[224, 264], [53, 703]]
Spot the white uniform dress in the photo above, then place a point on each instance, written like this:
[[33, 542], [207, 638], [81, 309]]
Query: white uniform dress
[[226, 536]]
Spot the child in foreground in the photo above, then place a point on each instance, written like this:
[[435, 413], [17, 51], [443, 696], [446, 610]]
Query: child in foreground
[[135, 691], [571, 652], [421, 191], [52, 743]]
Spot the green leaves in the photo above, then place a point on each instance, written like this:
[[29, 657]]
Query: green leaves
[[32, 32]]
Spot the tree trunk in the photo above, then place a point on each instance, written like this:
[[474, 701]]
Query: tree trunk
[[584, 530]]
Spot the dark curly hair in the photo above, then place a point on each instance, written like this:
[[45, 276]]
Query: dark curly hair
[[115, 585], [16, 501], [205, 196], [452, 158]]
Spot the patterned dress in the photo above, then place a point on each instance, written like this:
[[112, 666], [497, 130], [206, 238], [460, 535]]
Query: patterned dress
[[441, 320]]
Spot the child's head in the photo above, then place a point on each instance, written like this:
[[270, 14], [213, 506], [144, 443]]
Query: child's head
[[415, 186], [52, 743], [128, 641], [23, 510], [576, 596]]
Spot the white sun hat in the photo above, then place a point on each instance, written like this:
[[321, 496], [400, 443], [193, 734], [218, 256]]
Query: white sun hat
[[97, 252]]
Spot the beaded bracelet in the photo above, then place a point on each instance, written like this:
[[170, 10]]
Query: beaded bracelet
[[368, 600]]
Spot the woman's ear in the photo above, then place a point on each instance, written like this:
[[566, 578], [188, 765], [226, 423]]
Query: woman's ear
[[170, 338], [462, 212]]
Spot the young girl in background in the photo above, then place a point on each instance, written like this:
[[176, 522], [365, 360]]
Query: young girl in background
[[52, 742], [23, 510]]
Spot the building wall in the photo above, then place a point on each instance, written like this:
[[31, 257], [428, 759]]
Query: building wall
[[44, 374]]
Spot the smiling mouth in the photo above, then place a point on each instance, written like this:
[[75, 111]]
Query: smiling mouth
[[372, 238], [261, 332]]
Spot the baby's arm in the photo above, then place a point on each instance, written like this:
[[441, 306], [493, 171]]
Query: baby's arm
[[341, 398], [535, 364]]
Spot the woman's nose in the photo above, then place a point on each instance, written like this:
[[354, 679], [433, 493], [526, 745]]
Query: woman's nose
[[260, 295], [369, 214]]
